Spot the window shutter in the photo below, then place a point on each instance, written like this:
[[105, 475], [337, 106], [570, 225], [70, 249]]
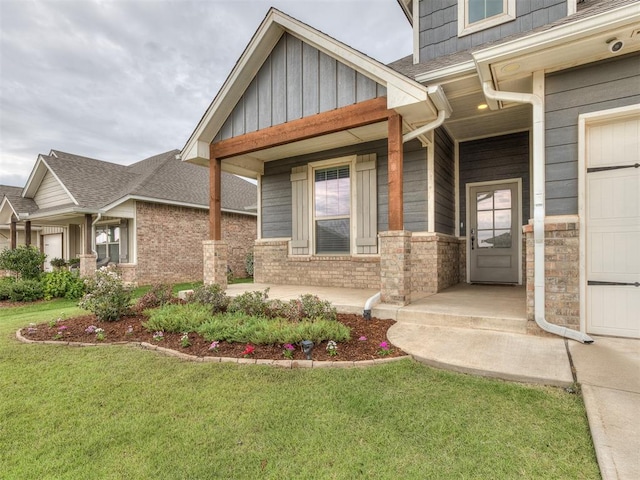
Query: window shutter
[[299, 211], [366, 205]]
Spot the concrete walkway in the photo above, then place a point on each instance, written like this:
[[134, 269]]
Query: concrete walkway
[[481, 330]]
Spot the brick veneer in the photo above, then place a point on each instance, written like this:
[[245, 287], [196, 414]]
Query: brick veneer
[[435, 262], [562, 273], [215, 254], [169, 242], [272, 264], [395, 267]]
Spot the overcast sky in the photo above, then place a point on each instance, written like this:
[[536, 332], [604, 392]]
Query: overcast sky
[[121, 80]]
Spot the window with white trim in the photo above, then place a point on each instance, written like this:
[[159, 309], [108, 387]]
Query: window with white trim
[[334, 207], [477, 15], [108, 242]]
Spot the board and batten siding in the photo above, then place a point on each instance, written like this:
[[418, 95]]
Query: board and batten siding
[[296, 81], [50, 193], [598, 86], [439, 25], [444, 169], [495, 158], [276, 187]]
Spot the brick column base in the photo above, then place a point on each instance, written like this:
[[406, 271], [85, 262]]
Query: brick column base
[[215, 262], [561, 272], [88, 265], [395, 267]]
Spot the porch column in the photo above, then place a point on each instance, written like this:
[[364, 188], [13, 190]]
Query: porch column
[[395, 267], [215, 249], [396, 207], [13, 232], [87, 259], [27, 233], [87, 233]]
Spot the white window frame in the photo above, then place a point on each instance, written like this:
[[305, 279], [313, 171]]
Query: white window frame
[[106, 226], [466, 28], [321, 165]]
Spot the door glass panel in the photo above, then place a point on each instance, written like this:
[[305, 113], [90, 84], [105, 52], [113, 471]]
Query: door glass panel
[[502, 199], [485, 220], [484, 201], [503, 219], [485, 238], [501, 239]]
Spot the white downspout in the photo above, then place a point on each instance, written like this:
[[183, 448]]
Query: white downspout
[[539, 204], [439, 99], [93, 234]]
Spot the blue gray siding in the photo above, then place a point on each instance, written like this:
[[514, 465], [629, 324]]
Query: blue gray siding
[[439, 25], [276, 187], [599, 86], [444, 183], [296, 81], [495, 158]]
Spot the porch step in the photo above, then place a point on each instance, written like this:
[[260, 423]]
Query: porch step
[[500, 323]]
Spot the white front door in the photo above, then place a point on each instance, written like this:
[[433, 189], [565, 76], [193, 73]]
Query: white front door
[[52, 249], [613, 227], [494, 240]]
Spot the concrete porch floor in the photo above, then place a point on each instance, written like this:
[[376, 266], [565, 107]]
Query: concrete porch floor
[[481, 330]]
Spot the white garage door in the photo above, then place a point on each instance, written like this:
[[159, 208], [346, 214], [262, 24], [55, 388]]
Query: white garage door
[[613, 228]]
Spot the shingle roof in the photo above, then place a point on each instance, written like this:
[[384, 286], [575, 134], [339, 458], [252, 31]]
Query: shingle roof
[[95, 183], [586, 9], [19, 204]]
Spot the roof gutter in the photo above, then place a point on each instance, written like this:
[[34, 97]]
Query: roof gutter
[[537, 102]]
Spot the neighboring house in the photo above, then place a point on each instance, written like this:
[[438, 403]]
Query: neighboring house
[[501, 151], [150, 218]]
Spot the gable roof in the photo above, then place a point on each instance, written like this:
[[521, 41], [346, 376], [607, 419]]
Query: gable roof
[[12, 203], [95, 185], [408, 97]]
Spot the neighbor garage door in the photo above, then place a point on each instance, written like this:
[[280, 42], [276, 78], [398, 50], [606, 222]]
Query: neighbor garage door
[[613, 227]]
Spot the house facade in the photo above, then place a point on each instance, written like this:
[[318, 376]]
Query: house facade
[[503, 150], [147, 217]]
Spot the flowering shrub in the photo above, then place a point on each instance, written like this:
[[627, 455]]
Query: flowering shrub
[[332, 348], [214, 346], [100, 335], [385, 349], [248, 351], [62, 283], [159, 295], [158, 336], [90, 329], [107, 298], [60, 332], [212, 296], [288, 351], [129, 330], [250, 303], [184, 340]]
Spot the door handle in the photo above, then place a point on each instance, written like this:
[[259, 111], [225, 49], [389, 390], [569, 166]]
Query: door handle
[[473, 238]]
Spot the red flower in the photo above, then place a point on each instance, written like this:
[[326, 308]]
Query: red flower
[[248, 351]]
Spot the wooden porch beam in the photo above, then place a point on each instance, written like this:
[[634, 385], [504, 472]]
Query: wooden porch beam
[[351, 116], [395, 160], [88, 220], [215, 205], [27, 233], [13, 232]]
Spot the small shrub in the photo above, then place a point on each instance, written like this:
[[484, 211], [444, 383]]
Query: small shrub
[[211, 295], [26, 291], [62, 284], [248, 264], [313, 308], [58, 263], [177, 318], [107, 298], [250, 303], [159, 295], [6, 284], [25, 262]]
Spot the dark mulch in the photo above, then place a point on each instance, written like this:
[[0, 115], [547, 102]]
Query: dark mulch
[[375, 331]]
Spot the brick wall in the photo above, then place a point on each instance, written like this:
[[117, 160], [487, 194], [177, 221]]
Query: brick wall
[[274, 265], [435, 262], [169, 242], [562, 273]]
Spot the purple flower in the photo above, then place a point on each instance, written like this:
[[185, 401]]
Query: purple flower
[[62, 327], [363, 338], [214, 345], [289, 347], [90, 329], [384, 345]]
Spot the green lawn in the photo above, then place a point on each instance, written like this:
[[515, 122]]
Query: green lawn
[[122, 412]]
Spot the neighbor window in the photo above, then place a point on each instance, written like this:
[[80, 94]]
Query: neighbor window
[[476, 15], [332, 210], [108, 242]]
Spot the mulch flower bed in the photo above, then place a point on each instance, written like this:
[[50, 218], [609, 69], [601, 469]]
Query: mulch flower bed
[[365, 344]]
